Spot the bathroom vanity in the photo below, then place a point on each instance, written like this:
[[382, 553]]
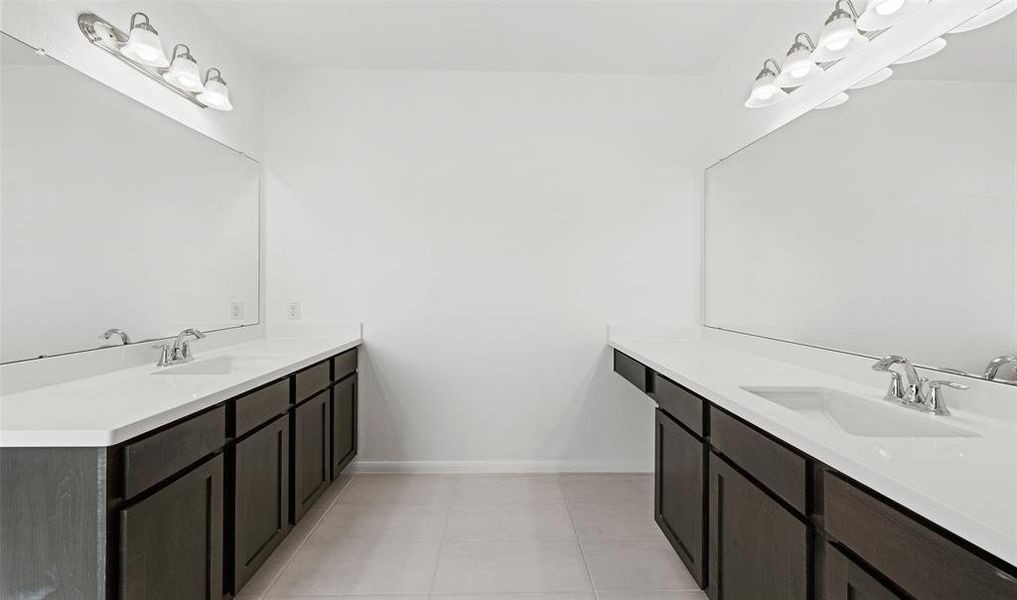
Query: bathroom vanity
[[761, 501], [188, 491]]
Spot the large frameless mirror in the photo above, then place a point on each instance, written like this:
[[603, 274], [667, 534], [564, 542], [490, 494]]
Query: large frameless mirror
[[885, 225], [113, 216]]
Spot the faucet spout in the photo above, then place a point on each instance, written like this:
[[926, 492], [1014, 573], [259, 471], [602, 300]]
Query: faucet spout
[[992, 370]]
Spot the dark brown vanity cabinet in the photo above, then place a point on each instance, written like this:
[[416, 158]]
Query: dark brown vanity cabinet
[[679, 498], [844, 579], [261, 499], [312, 458], [171, 542], [344, 423], [758, 549]]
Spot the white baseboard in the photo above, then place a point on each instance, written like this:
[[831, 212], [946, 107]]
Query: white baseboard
[[550, 466]]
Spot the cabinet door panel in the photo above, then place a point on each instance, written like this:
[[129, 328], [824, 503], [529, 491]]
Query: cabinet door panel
[[758, 549], [679, 500], [311, 452], [843, 579], [344, 424], [261, 504], [171, 542]]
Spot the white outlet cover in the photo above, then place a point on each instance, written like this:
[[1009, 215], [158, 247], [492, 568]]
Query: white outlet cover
[[236, 311], [293, 311]]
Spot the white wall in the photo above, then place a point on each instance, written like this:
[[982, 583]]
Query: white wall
[[486, 228], [53, 26]]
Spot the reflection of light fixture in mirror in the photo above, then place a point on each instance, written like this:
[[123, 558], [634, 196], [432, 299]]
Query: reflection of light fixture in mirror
[[878, 77], [840, 36], [765, 90], [183, 71], [990, 15], [837, 100], [924, 52], [799, 66], [881, 14], [143, 44], [216, 94]]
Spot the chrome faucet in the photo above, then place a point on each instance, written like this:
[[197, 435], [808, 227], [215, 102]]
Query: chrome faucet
[[920, 393], [180, 351], [997, 363], [124, 338]]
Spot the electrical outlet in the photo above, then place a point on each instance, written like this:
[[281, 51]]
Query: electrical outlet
[[236, 311], [293, 311]]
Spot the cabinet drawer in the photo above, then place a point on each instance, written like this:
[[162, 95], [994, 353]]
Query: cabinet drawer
[[344, 365], [312, 380], [778, 468], [156, 457], [922, 562], [684, 406], [261, 406], [633, 370]]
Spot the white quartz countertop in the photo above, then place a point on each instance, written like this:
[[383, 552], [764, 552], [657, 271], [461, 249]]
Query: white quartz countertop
[[966, 485], [113, 407]]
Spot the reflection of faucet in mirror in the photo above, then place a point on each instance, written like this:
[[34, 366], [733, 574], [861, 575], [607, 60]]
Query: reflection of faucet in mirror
[[120, 332], [992, 371]]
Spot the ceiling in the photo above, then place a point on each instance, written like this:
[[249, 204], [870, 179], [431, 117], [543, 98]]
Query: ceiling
[[680, 37]]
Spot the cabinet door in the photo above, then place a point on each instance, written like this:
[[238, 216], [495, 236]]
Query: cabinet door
[[679, 499], [261, 503], [758, 549], [843, 579], [171, 541], [344, 424], [311, 454]]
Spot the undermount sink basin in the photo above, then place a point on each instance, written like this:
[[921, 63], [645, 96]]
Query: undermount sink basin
[[858, 416], [216, 365]]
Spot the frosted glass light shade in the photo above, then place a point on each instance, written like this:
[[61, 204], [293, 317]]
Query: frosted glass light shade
[[988, 16], [883, 14], [838, 39], [216, 95], [765, 92], [184, 74], [144, 46], [798, 68], [924, 52]]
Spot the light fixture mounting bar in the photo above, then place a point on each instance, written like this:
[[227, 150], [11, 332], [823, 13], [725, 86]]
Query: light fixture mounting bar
[[106, 36]]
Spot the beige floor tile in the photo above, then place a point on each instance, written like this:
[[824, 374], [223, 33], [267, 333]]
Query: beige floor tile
[[499, 567], [636, 564], [652, 596], [381, 523], [354, 597], [608, 488], [358, 568], [399, 489], [509, 489], [616, 521], [518, 596], [268, 571], [508, 522]]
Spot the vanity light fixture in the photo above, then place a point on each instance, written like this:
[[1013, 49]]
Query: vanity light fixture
[[216, 95], [183, 71], [878, 77], [143, 43], [141, 49], [798, 65], [840, 36], [837, 100], [924, 52], [883, 14], [988, 16], [766, 91]]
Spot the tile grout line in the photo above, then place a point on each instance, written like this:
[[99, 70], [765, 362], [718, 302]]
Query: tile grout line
[[293, 555], [441, 540], [579, 541]]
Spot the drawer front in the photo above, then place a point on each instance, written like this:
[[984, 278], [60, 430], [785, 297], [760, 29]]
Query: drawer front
[[312, 380], [632, 370], [344, 365], [843, 579], [262, 406], [684, 406], [920, 561], [773, 465], [156, 457]]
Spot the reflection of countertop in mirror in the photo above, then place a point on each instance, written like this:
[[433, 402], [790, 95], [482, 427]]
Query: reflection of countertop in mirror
[[110, 408], [966, 485]]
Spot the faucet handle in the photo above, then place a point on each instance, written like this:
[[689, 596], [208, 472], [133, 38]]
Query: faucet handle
[[935, 400], [164, 355]]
